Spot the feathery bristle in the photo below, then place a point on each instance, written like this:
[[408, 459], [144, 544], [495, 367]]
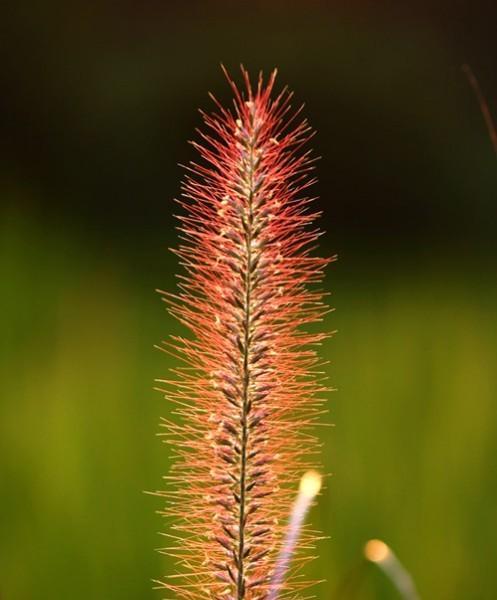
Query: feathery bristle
[[249, 387]]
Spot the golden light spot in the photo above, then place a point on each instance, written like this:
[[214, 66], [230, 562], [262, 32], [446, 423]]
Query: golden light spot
[[310, 484], [376, 551]]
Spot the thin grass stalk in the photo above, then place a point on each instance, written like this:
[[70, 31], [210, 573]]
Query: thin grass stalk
[[484, 107], [310, 484], [377, 552]]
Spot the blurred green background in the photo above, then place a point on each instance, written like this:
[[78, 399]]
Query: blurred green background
[[97, 102]]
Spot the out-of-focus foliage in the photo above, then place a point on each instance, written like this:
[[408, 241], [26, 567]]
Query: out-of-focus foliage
[[97, 102], [412, 453]]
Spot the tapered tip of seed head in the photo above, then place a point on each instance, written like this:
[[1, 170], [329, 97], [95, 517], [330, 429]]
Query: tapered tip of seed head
[[310, 484], [376, 551]]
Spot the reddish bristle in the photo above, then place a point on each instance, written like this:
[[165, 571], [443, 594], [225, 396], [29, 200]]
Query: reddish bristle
[[248, 389]]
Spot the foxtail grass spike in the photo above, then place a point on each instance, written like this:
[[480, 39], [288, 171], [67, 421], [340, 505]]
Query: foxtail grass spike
[[382, 555], [248, 389]]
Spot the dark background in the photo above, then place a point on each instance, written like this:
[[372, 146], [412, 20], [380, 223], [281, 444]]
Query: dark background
[[97, 102]]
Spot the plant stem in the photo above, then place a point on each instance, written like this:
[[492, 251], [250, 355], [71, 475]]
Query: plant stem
[[246, 374]]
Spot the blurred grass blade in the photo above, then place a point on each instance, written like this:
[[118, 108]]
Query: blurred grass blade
[[310, 485], [485, 110], [382, 555]]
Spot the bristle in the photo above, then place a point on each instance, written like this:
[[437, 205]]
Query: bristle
[[247, 392]]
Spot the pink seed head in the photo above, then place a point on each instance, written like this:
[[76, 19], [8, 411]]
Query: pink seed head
[[247, 390]]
